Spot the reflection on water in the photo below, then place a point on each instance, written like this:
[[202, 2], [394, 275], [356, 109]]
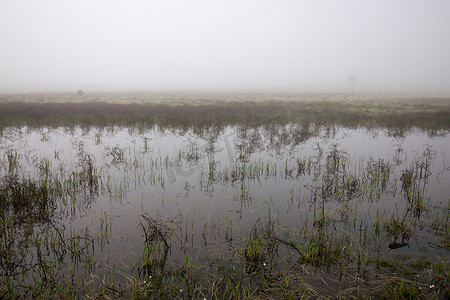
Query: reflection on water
[[202, 194]]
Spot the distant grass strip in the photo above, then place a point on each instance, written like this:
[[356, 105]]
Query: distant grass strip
[[430, 115]]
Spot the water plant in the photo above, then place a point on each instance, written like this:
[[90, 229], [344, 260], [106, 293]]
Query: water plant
[[156, 245], [414, 180]]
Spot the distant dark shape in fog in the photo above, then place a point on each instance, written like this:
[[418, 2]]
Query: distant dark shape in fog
[[202, 44]]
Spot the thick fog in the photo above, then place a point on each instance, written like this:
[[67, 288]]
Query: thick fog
[[329, 45]]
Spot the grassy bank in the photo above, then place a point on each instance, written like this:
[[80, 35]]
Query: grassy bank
[[403, 113]]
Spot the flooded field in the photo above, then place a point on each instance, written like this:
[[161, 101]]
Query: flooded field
[[206, 200]]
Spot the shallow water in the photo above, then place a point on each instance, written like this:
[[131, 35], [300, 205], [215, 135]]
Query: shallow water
[[212, 187]]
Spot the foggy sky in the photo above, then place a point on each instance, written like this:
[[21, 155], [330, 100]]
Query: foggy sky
[[62, 45]]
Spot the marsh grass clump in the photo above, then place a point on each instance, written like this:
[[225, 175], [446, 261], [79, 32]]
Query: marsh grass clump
[[414, 180], [261, 246], [336, 160], [157, 235], [89, 174], [421, 263], [401, 289], [12, 162], [318, 250], [303, 167], [413, 188], [192, 154], [254, 253], [27, 200], [441, 274], [393, 266], [332, 180], [398, 227], [441, 225], [85, 182], [116, 154], [375, 177]]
